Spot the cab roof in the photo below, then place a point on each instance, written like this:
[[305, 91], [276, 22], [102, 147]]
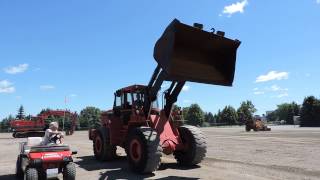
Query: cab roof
[[132, 88]]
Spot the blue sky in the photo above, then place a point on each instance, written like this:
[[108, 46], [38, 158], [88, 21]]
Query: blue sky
[[85, 51]]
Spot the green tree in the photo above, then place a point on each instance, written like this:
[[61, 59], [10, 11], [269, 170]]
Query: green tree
[[229, 115], [90, 117], [310, 112], [195, 115], [218, 118], [5, 123], [176, 108], [45, 110], [20, 114], [29, 117], [245, 111], [185, 112], [208, 117], [286, 111], [272, 116]]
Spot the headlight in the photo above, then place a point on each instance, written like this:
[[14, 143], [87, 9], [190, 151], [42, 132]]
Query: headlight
[[67, 159]]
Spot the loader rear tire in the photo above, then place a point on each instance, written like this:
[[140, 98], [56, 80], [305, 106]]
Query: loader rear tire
[[143, 150], [103, 150], [195, 146]]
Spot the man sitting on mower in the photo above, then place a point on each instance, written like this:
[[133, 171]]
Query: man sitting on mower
[[52, 135]]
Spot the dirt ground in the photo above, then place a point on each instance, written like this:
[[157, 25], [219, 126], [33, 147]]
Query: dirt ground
[[286, 152]]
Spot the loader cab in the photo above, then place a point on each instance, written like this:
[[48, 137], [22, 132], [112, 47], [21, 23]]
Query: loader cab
[[127, 100]]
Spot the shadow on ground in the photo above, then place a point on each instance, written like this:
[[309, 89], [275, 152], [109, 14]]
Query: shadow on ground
[[118, 169], [7, 177]]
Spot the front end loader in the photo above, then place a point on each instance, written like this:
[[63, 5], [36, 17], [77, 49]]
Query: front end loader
[[145, 131]]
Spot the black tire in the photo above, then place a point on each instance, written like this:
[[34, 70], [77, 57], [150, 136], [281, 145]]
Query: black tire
[[143, 150], [248, 128], [196, 145], [102, 148], [14, 135], [31, 174], [19, 171], [69, 171]]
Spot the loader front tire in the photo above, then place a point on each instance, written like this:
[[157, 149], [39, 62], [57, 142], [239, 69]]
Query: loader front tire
[[195, 146], [143, 150], [102, 149]]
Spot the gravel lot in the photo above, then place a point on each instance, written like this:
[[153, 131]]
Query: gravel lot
[[286, 152]]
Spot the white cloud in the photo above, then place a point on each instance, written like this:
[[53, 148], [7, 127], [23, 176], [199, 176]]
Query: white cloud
[[258, 92], [283, 95], [277, 88], [36, 69], [318, 1], [16, 69], [308, 74], [6, 87], [186, 88], [18, 97], [256, 89], [46, 87], [73, 95], [235, 8], [272, 75]]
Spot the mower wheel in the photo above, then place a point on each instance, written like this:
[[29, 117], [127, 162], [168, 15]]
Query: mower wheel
[[69, 171], [143, 150], [195, 146], [19, 171], [102, 148], [31, 174]]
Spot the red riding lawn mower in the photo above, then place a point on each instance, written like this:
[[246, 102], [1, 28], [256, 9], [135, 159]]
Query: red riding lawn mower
[[37, 161], [184, 53]]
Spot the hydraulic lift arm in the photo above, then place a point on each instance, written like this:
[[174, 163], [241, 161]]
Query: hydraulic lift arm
[[154, 86]]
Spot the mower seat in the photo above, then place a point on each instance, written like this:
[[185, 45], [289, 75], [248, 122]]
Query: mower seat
[[34, 141]]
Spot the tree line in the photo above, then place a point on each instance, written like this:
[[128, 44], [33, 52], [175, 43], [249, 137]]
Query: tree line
[[309, 113]]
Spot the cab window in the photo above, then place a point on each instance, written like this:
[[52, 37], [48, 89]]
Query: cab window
[[117, 101]]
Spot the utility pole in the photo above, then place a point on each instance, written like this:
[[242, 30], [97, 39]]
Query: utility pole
[[64, 112]]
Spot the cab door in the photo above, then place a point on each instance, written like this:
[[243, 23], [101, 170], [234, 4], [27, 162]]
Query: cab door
[[116, 122], [126, 109]]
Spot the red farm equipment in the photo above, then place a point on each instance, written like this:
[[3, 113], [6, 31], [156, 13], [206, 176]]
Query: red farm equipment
[[183, 53], [37, 125]]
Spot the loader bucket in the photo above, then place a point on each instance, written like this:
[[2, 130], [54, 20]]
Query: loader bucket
[[188, 53]]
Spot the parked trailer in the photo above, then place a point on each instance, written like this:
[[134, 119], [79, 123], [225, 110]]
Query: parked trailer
[[37, 125]]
